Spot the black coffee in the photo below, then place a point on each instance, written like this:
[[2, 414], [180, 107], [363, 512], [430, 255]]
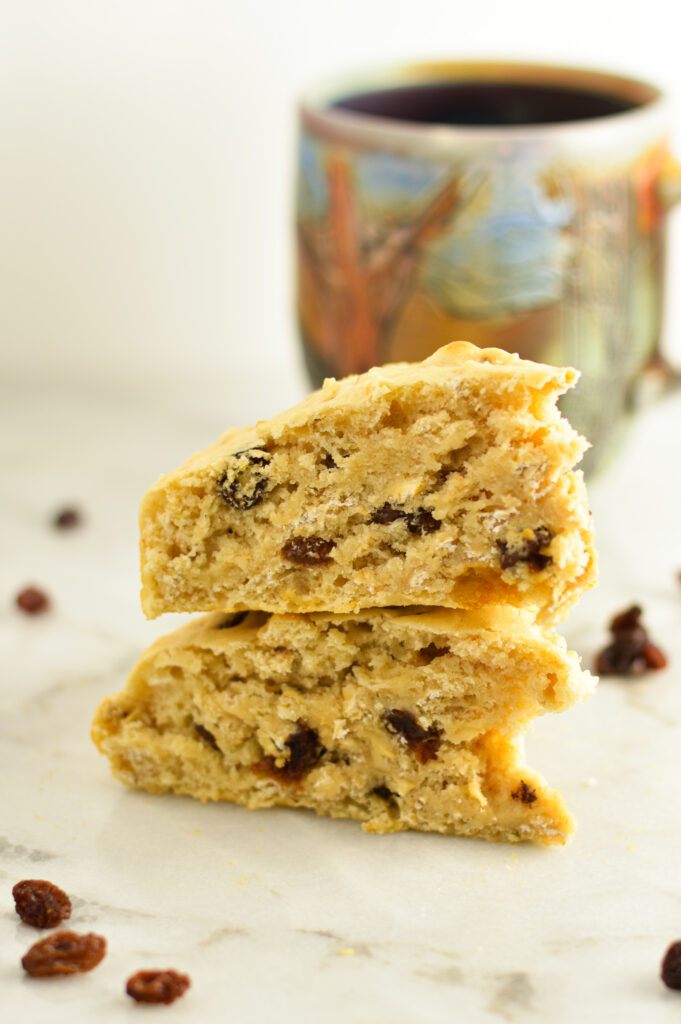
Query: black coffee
[[485, 103]]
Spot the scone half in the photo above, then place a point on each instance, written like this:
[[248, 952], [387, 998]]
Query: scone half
[[398, 718], [447, 483]]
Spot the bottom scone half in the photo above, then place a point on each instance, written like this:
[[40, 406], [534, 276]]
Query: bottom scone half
[[402, 719]]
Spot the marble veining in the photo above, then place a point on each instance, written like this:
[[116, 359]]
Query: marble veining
[[281, 912], [513, 995]]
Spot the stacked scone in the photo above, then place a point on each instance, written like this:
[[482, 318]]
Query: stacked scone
[[382, 565]]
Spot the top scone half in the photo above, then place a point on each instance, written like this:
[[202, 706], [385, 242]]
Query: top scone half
[[447, 482]]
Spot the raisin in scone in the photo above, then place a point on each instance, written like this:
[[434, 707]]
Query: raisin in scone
[[401, 718], [447, 482]]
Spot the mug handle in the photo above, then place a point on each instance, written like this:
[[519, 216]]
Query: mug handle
[[659, 377]]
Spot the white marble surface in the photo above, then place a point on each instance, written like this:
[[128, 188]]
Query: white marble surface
[[279, 914]]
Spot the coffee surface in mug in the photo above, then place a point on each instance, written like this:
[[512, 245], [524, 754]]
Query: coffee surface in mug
[[484, 103]]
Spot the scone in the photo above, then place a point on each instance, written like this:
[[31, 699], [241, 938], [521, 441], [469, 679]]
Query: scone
[[447, 482], [401, 718]]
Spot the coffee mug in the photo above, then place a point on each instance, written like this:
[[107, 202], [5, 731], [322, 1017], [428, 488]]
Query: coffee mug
[[512, 205]]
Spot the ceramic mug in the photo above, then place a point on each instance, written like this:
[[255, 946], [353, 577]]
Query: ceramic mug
[[511, 205]]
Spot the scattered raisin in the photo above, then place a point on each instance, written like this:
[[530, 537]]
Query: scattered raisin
[[420, 522], [431, 652], [308, 550], [384, 792], [32, 601], [670, 971], [64, 953], [157, 986], [623, 657], [631, 652], [627, 620], [41, 904], [424, 743], [526, 548], [524, 793], [233, 620], [67, 519], [654, 657], [243, 484], [305, 750], [206, 735]]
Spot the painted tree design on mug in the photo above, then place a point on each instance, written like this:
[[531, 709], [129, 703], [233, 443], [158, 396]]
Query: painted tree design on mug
[[356, 275]]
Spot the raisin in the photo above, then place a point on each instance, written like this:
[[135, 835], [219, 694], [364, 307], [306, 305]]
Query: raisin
[[526, 548], [32, 601], [631, 652], [308, 550], [524, 793], [233, 620], [431, 652], [627, 620], [64, 953], [328, 461], [654, 657], [387, 514], [157, 986], [41, 904], [305, 750], [243, 484], [420, 522], [625, 656], [424, 743], [384, 792], [670, 971], [67, 519], [207, 736]]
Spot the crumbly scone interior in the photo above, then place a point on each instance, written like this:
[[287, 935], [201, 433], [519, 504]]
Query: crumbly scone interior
[[397, 719], [453, 491]]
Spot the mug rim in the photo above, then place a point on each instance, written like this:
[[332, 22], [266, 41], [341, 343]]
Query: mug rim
[[319, 115]]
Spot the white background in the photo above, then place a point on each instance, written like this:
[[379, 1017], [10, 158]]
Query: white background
[[147, 157]]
